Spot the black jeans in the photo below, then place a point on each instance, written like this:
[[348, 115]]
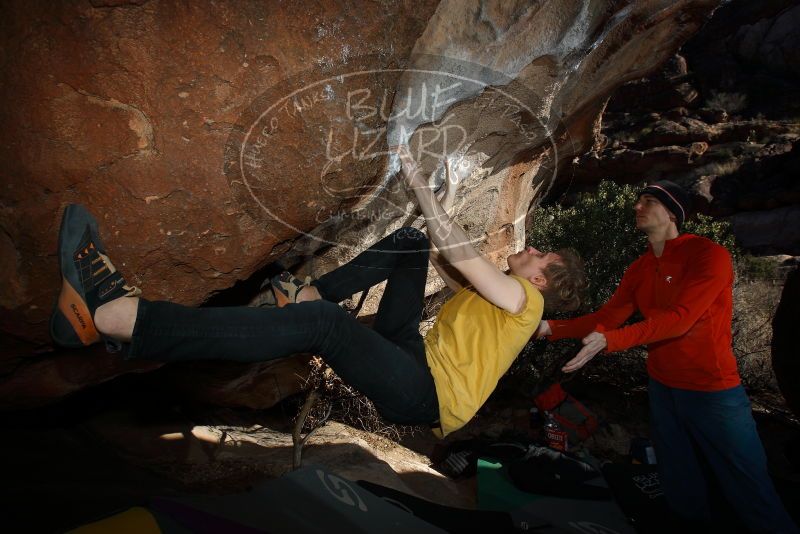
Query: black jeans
[[386, 362]]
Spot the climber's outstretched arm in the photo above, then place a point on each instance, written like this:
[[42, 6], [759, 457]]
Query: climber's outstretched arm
[[454, 245]]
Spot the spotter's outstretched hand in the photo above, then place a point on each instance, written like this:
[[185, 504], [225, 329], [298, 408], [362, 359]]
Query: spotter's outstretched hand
[[592, 344]]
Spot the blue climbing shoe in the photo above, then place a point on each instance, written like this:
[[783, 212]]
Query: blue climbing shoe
[[88, 280]]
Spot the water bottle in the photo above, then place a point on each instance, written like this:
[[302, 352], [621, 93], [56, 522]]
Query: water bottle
[[642, 452], [555, 436]]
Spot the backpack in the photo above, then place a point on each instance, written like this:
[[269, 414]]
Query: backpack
[[571, 414]]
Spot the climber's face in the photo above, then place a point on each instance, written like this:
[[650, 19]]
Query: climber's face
[[531, 263]]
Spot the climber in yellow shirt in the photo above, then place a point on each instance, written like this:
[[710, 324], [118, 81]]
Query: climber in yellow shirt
[[483, 327], [440, 381]]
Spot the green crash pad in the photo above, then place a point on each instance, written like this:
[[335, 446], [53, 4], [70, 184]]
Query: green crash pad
[[496, 491]]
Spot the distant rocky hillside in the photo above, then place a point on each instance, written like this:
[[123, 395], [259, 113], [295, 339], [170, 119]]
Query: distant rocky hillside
[[721, 117]]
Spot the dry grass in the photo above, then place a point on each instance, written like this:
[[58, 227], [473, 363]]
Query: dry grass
[[754, 303], [341, 402], [730, 102]]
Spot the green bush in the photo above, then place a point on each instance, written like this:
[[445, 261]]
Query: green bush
[[600, 227], [750, 267], [715, 230]]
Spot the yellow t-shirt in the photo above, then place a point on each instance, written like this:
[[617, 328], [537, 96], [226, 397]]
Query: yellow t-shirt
[[471, 345]]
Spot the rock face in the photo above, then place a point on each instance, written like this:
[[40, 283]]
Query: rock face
[[751, 48], [126, 109], [785, 358], [45, 377], [159, 118]]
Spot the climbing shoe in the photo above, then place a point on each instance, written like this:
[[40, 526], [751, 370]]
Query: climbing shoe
[[265, 297], [286, 286], [88, 280]]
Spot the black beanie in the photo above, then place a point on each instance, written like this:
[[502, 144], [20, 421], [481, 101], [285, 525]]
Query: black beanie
[[673, 196]]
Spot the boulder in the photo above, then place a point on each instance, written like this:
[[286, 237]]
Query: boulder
[[127, 108], [159, 118], [785, 354], [229, 455], [774, 231]]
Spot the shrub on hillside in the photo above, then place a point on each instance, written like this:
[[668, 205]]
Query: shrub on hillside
[[599, 226]]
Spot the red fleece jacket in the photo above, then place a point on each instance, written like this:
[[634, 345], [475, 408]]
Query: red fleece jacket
[[686, 298]]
